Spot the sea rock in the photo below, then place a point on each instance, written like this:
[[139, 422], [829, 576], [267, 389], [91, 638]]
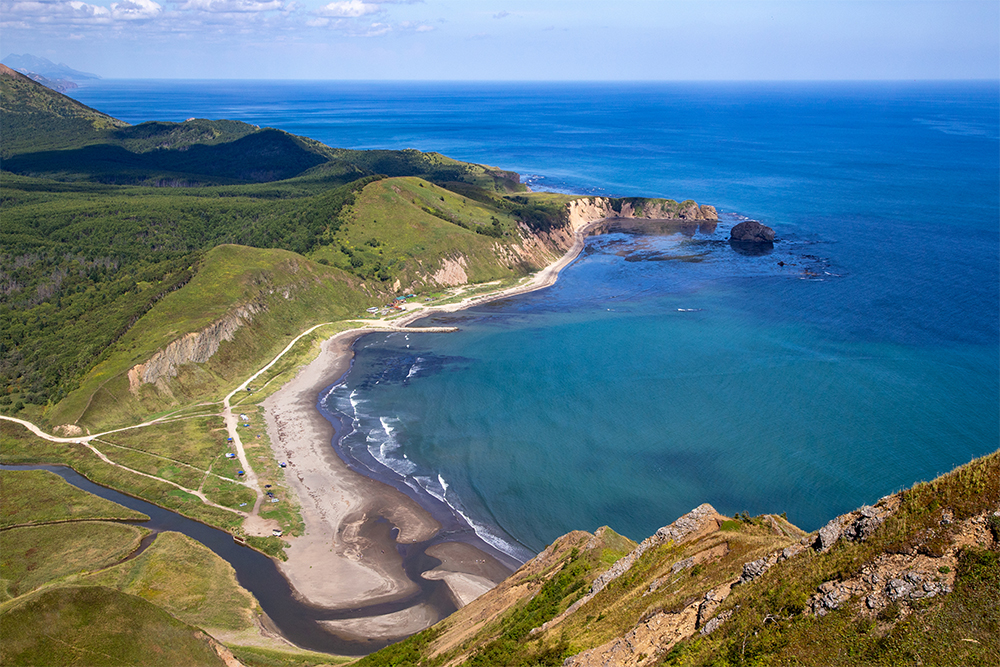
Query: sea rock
[[751, 231]]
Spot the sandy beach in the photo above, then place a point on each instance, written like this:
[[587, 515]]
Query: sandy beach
[[348, 557]]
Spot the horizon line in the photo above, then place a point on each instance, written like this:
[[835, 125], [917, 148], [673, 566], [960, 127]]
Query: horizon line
[[333, 80]]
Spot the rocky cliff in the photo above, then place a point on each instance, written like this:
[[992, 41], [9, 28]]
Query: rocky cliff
[[582, 212], [194, 348], [915, 574]]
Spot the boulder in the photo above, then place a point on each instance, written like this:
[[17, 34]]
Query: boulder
[[751, 231]]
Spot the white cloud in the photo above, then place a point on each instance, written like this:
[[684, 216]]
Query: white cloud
[[75, 12], [411, 26], [377, 29], [135, 10], [349, 9], [233, 6]]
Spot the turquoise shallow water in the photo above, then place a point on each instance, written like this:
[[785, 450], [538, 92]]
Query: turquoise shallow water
[[632, 391], [643, 384]]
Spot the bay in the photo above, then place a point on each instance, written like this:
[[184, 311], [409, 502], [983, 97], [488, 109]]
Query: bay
[[663, 372]]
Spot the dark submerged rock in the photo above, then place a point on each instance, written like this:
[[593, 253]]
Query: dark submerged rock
[[751, 231]]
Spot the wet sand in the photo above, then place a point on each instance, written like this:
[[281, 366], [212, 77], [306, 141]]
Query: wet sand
[[348, 557]]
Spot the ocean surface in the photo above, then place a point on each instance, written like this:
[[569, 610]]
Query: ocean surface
[[859, 356]]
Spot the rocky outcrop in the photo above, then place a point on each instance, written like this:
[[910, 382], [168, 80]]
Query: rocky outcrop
[[751, 231], [696, 523], [582, 212], [856, 526], [196, 347], [643, 644], [709, 605], [757, 568], [699, 521], [889, 579]]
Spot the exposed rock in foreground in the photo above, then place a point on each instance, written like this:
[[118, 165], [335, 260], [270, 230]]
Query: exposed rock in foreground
[[917, 573], [751, 231]]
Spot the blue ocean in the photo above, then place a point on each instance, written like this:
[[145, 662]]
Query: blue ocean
[[859, 356]]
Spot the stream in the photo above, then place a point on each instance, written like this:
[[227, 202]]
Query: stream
[[296, 621]]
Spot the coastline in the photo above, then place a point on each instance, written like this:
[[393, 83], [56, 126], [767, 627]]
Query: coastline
[[348, 557]]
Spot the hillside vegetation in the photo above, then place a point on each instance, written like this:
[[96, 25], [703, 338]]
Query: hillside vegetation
[[66, 573], [113, 236], [914, 579]]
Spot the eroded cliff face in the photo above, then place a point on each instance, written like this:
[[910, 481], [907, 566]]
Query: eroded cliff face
[[592, 209], [452, 272], [196, 347]]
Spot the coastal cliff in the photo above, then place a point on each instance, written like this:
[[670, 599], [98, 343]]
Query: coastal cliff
[[520, 249], [582, 212], [916, 573]]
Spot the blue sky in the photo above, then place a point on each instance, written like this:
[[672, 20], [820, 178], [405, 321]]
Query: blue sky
[[512, 39]]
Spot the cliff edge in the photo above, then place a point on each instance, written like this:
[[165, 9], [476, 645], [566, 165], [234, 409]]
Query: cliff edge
[[915, 577]]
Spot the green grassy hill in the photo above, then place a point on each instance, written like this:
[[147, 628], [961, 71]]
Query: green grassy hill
[[33, 117], [99, 626]]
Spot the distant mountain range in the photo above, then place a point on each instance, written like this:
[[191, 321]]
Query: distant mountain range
[[59, 77]]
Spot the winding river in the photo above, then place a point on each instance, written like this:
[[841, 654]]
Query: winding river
[[296, 621]]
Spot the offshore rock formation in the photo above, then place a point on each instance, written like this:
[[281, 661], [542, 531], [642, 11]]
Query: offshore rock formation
[[751, 231]]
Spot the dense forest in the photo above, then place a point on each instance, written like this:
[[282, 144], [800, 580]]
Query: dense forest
[[101, 219]]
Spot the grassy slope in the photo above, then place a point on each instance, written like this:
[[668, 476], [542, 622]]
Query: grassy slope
[[770, 623], [186, 579], [229, 276], [401, 228], [37, 555], [99, 626], [40, 496]]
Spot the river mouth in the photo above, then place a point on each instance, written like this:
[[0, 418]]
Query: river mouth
[[297, 621]]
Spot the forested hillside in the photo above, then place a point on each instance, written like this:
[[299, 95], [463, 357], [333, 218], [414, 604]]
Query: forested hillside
[[103, 220]]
